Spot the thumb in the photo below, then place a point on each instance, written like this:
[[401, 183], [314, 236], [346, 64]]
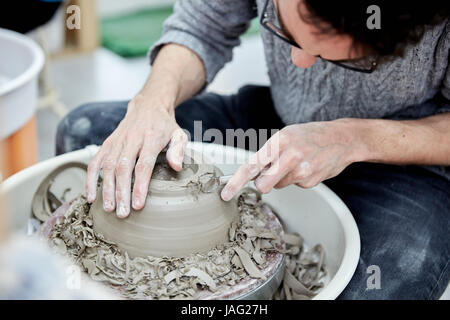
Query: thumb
[[175, 151]]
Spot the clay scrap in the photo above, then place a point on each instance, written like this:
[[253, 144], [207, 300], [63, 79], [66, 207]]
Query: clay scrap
[[185, 244], [250, 243]]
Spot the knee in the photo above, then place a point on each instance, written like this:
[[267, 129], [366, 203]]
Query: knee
[[74, 126], [77, 119]]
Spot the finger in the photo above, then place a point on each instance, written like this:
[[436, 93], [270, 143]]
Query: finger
[[249, 171], [124, 171], [286, 181], [299, 175], [277, 171], [143, 173], [109, 180], [92, 175], [309, 183], [175, 151]]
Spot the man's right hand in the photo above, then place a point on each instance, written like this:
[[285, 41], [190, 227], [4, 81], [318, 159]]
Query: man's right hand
[[146, 130], [148, 127]]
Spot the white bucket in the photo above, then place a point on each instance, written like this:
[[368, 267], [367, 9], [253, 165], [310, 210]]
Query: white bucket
[[21, 60], [317, 214]]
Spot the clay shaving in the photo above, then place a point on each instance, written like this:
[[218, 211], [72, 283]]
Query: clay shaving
[[250, 244], [162, 171]]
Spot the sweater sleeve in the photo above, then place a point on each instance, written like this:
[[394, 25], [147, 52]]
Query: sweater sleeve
[[440, 103], [445, 92], [444, 96], [210, 28]]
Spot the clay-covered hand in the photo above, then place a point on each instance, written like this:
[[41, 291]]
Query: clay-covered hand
[[142, 134], [301, 154]]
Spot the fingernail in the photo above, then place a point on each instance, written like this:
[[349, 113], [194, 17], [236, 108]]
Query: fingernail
[[253, 173], [258, 182], [226, 195], [108, 205], [91, 197], [137, 203], [180, 161], [122, 211]]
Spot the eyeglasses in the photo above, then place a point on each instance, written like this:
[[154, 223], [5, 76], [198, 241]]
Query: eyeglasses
[[269, 20]]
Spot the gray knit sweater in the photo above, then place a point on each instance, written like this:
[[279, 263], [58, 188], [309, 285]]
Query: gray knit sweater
[[415, 86]]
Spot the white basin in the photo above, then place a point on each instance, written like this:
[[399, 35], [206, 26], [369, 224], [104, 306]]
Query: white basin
[[317, 214], [21, 60]]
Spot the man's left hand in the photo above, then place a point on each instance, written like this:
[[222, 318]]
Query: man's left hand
[[301, 154]]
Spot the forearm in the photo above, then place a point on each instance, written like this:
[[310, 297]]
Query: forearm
[[425, 141], [177, 74], [309, 153]]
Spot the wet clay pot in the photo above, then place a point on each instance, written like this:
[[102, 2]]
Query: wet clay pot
[[179, 218]]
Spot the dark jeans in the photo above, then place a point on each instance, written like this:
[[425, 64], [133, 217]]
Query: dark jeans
[[402, 212]]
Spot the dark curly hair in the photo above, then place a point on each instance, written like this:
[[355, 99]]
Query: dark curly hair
[[403, 22]]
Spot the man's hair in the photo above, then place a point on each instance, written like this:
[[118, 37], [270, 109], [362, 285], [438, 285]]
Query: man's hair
[[403, 22]]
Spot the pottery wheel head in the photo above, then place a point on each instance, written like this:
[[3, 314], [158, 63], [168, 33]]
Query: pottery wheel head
[[179, 216]]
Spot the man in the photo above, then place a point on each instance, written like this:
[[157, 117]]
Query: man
[[363, 106]]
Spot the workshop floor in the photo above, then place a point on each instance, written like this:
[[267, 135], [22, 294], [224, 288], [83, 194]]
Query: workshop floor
[[103, 76]]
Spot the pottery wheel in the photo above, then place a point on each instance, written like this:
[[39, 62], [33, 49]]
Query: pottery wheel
[[63, 228], [250, 288], [180, 219]]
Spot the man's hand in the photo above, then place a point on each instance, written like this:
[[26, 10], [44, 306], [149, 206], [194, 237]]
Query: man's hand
[[301, 154], [141, 135], [148, 127]]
